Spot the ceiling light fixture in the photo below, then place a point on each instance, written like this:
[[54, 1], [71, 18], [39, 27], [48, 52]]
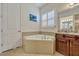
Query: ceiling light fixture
[[73, 4]]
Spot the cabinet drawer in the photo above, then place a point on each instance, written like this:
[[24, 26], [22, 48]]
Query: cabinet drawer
[[69, 36]]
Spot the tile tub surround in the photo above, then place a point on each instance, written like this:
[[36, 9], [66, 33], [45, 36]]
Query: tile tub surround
[[39, 47], [48, 33], [29, 33], [39, 37], [31, 44], [32, 33], [36, 33]]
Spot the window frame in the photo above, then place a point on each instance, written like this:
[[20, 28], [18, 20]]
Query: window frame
[[52, 18]]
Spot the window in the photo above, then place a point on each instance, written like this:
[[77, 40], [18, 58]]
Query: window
[[44, 20], [48, 19]]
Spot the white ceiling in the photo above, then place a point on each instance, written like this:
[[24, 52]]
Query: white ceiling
[[58, 6], [39, 4]]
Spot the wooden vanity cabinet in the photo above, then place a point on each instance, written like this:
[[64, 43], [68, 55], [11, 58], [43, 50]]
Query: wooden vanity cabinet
[[67, 44], [62, 44]]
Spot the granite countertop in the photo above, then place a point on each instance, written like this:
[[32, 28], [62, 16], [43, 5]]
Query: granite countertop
[[70, 33]]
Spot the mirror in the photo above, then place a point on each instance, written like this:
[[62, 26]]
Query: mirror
[[76, 23], [67, 24]]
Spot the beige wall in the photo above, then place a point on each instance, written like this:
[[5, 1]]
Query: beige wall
[[53, 6], [26, 24]]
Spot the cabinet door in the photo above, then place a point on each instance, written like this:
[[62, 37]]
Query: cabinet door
[[62, 46], [75, 47]]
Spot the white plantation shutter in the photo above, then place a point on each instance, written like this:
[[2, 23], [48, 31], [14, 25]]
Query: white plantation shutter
[[48, 19]]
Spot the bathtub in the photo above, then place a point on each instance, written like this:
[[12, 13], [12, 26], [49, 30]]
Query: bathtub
[[39, 44]]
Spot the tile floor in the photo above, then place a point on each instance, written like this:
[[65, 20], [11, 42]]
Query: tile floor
[[20, 52]]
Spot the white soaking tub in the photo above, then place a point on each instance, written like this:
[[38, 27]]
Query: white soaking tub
[[39, 44]]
